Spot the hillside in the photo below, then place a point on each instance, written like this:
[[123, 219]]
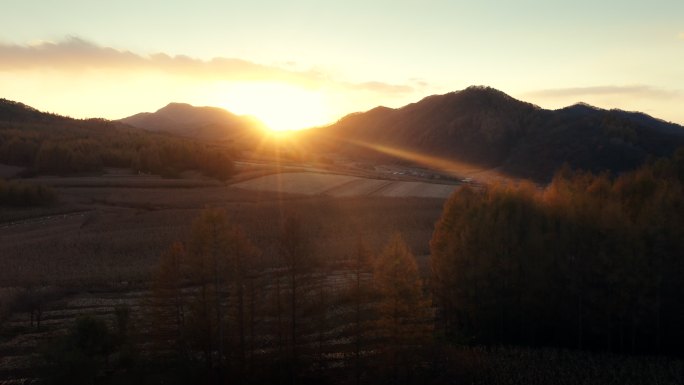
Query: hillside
[[43, 143], [209, 123], [486, 127]]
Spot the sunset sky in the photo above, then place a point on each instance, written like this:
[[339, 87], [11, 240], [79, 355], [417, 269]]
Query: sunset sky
[[308, 62]]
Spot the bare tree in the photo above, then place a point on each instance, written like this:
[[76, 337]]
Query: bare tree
[[298, 264]]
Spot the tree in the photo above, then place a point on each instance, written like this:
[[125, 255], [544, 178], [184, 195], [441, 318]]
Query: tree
[[404, 314], [361, 268], [453, 278], [298, 264], [199, 293], [168, 301], [208, 273], [242, 254], [590, 262], [81, 356]]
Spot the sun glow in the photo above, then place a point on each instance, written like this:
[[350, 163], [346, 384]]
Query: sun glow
[[282, 107]]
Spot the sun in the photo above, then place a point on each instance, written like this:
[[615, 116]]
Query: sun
[[281, 106]]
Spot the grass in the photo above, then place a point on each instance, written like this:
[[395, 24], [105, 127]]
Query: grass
[[313, 183]]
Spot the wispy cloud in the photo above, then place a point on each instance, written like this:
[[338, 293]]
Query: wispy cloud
[[634, 90], [421, 83], [383, 87], [75, 54]]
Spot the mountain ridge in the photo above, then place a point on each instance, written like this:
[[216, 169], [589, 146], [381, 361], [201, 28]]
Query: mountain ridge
[[479, 125], [486, 127]]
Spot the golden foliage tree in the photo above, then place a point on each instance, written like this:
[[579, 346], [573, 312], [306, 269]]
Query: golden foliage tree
[[591, 261], [404, 314], [199, 293], [169, 304]]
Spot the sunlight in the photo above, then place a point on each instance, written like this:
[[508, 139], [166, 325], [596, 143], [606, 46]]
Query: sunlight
[[281, 106], [450, 166]]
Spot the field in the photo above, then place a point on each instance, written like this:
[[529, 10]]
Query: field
[[111, 234], [311, 183], [100, 245]]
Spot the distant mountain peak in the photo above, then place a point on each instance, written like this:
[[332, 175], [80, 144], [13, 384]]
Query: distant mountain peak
[[474, 97], [184, 119], [585, 105], [483, 90], [491, 95], [483, 126], [176, 105]]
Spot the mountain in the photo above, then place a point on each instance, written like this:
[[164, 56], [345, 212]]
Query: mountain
[[42, 143], [11, 111], [210, 123], [485, 127]]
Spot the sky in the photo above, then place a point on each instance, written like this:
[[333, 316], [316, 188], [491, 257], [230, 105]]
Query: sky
[[301, 63]]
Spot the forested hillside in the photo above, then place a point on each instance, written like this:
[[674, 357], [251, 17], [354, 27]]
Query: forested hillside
[[53, 144], [487, 128]]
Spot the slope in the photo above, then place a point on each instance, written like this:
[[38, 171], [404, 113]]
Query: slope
[[485, 127]]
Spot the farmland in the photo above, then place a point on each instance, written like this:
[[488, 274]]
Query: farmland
[[99, 249], [106, 233], [104, 230], [345, 186]]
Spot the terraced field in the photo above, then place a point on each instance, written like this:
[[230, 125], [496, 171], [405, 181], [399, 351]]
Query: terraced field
[[310, 183]]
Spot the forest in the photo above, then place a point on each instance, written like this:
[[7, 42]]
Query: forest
[[579, 279], [589, 262], [57, 145]]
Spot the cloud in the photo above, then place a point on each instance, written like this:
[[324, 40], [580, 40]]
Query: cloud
[[681, 36], [383, 87], [75, 54], [420, 83], [635, 90]]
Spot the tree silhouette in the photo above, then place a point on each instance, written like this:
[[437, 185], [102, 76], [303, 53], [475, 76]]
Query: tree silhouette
[[404, 315], [242, 264], [168, 300], [199, 294], [297, 262], [588, 262], [361, 291]]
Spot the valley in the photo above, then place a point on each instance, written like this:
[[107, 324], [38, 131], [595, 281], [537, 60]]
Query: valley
[[127, 197], [99, 247]]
